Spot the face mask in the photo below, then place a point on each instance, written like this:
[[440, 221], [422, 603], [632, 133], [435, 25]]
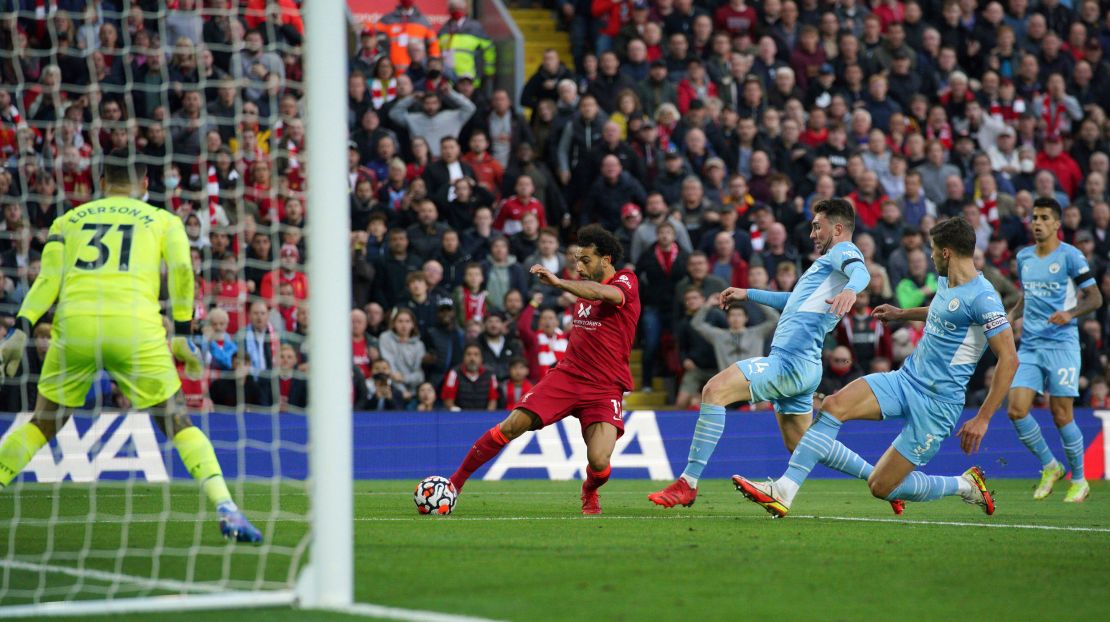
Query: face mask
[[171, 182], [840, 369], [458, 14], [1027, 166]]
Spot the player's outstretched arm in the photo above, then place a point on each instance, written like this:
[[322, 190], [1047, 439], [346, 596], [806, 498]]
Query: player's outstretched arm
[[891, 313], [583, 289], [973, 430], [775, 300]]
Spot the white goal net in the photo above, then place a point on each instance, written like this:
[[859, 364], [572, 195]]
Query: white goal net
[[211, 99]]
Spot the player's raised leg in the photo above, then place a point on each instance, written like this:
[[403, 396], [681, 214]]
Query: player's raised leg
[[818, 444], [1064, 416], [600, 439], [727, 387], [489, 444], [1029, 432]]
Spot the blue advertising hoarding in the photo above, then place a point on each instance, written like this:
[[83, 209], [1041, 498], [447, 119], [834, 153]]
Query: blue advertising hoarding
[[412, 445]]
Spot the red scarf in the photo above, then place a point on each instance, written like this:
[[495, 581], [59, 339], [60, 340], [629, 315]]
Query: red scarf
[[988, 207], [382, 93], [1053, 116], [474, 305], [757, 237], [666, 260], [550, 350]]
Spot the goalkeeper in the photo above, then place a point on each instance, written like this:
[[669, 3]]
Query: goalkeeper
[[102, 265]]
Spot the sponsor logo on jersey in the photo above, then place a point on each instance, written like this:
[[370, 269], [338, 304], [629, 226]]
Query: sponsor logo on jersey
[[954, 304], [584, 310], [1054, 268], [938, 326], [624, 279], [995, 320]]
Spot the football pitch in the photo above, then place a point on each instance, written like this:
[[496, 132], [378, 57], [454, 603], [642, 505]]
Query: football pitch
[[519, 550]]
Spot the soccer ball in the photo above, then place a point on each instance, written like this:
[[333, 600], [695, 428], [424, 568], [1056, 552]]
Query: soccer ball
[[435, 495]]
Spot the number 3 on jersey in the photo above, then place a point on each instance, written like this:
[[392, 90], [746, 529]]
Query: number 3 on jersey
[[103, 252]]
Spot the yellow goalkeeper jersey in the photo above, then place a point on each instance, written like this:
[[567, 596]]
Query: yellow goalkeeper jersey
[[105, 259]]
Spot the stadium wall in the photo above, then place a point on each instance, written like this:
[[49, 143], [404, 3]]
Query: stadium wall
[[411, 445]]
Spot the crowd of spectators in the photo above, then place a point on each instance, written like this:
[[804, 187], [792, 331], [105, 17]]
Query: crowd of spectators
[[700, 132]]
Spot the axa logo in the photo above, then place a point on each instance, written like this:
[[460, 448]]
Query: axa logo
[[546, 449], [111, 443], [584, 310]]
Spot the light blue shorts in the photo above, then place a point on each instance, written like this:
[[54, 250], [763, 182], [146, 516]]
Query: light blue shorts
[[928, 421], [788, 383], [1056, 368]]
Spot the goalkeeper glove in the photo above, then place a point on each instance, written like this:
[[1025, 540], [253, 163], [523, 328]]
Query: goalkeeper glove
[[11, 352], [183, 351]]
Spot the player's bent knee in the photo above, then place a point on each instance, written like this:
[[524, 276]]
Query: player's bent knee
[[880, 489], [716, 391], [598, 462], [834, 405], [1062, 416], [1016, 413], [518, 422]]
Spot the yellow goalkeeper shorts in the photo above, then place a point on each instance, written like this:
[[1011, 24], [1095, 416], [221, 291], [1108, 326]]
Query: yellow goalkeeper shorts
[[133, 351]]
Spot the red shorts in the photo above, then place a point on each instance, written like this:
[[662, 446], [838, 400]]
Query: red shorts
[[559, 395]]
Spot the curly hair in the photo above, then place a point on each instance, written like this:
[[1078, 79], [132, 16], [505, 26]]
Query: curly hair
[[604, 242]]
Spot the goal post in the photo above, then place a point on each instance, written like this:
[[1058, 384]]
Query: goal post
[[329, 578]]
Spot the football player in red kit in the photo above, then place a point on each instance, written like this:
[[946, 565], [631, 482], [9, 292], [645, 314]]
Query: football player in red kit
[[590, 381]]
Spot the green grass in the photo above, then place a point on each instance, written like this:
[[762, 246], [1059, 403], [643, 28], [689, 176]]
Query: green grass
[[519, 550]]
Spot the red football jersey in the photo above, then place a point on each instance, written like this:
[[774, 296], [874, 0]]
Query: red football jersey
[[602, 337]]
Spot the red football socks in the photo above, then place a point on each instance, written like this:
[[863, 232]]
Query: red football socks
[[595, 480], [483, 450]]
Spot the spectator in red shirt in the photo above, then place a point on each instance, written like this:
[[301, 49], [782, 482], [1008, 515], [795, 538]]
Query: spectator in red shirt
[[511, 215], [695, 86], [518, 385], [544, 345], [868, 199], [1057, 161], [736, 18], [470, 386], [808, 56], [487, 170], [231, 294], [363, 352], [288, 273]]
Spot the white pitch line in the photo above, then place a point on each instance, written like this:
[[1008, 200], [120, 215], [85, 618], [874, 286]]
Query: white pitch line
[[858, 519], [113, 577], [944, 523], [409, 615], [679, 517]]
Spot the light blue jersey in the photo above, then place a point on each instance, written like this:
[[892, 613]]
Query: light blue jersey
[[1051, 284], [806, 319], [960, 321]]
